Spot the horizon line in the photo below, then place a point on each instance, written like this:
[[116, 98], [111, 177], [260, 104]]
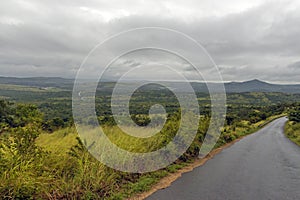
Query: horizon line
[[231, 81]]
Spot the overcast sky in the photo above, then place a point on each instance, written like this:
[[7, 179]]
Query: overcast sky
[[247, 39]]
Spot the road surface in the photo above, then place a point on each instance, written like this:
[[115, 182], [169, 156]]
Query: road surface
[[264, 165]]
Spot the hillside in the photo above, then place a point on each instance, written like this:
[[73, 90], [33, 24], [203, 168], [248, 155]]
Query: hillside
[[42, 82], [231, 87], [260, 86]]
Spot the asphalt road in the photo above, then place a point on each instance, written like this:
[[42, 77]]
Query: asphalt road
[[264, 165]]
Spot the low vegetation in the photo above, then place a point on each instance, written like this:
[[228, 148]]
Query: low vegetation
[[42, 164], [41, 156], [292, 127]]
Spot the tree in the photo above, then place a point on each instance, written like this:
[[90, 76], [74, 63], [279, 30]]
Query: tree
[[6, 112], [27, 114], [294, 115]]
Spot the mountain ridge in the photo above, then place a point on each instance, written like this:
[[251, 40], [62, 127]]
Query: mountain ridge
[[254, 85]]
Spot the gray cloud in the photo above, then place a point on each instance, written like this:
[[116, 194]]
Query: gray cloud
[[247, 40]]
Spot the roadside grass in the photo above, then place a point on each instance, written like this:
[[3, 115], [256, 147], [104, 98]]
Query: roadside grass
[[91, 179], [88, 176], [59, 142], [78, 176], [292, 131], [85, 178]]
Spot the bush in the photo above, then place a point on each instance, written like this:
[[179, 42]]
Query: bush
[[294, 115]]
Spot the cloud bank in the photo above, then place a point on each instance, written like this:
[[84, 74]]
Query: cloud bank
[[247, 39]]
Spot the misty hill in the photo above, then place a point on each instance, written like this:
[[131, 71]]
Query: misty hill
[[231, 87], [251, 86], [39, 82], [260, 86], [247, 86]]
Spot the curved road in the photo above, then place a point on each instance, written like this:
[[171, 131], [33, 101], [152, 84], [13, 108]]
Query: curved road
[[264, 165]]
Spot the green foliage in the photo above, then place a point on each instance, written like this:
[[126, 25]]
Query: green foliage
[[58, 166], [18, 115], [292, 131], [143, 184], [22, 173], [141, 120], [294, 113], [5, 113], [174, 167]]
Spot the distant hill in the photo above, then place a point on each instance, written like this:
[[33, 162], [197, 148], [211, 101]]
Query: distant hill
[[260, 86], [250, 86], [231, 87], [39, 82]]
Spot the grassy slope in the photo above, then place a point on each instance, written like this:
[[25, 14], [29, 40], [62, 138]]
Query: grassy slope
[[60, 142], [292, 131]]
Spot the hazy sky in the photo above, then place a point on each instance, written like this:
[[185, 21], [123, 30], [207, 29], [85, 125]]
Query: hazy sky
[[247, 39]]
